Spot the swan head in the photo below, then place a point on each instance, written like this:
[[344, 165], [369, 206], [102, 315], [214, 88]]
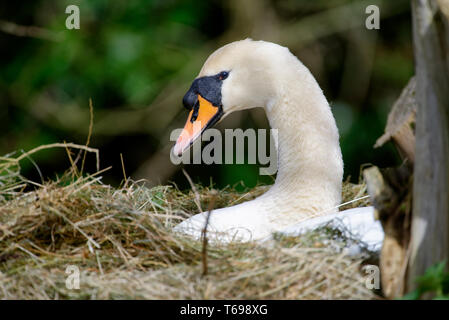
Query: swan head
[[238, 76]]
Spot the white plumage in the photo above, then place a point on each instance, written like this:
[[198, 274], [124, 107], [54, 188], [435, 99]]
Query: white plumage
[[307, 190]]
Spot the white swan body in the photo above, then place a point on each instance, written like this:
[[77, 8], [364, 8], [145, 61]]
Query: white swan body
[[356, 223], [310, 166]]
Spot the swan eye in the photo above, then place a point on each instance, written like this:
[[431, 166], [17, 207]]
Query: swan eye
[[223, 75]]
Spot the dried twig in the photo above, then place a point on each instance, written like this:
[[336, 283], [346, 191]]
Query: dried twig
[[91, 125], [204, 231], [197, 195], [123, 169], [60, 145], [29, 31]]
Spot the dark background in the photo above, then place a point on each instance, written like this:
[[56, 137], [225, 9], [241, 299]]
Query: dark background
[[136, 59]]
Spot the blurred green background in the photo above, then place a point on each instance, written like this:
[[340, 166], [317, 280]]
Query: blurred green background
[[137, 58]]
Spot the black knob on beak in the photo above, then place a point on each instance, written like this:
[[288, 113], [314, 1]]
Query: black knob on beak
[[190, 99]]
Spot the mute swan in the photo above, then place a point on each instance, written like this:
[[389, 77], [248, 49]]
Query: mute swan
[[248, 74]]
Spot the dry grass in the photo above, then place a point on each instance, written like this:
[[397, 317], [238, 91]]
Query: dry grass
[[121, 240]]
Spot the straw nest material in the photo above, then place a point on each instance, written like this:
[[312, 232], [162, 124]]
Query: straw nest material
[[122, 243]]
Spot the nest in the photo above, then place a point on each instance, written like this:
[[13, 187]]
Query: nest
[[122, 243]]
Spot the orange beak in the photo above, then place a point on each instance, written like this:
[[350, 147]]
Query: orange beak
[[208, 115]]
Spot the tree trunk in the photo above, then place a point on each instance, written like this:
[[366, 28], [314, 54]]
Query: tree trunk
[[391, 193], [430, 217]]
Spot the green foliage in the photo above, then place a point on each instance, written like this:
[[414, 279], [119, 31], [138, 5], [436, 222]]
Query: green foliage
[[129, 55], [435, 281]]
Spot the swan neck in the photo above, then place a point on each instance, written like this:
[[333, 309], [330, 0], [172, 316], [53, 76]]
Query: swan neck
[[309, 155]]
